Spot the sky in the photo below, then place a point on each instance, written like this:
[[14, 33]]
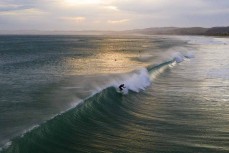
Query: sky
[[68, 15]]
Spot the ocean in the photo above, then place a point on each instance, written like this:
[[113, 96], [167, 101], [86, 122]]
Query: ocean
[[59, 94]]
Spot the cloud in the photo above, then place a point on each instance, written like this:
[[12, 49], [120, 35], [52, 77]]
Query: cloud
[[81, 2], [23, 12], [117, 21], [113, 8], [78, 19]]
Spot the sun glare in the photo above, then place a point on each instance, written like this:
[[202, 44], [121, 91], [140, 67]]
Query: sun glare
[[78, 2]]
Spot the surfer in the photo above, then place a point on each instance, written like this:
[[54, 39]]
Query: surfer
[[121, 87]]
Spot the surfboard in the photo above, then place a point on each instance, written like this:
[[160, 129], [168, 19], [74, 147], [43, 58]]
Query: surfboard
[[124, 91]]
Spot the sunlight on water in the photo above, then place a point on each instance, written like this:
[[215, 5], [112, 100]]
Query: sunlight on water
[[109, 59]]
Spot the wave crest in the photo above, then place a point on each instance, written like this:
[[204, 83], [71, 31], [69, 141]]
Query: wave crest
[[136, 81]]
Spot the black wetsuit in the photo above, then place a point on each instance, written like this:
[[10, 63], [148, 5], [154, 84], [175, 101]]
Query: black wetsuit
[[121, 87]]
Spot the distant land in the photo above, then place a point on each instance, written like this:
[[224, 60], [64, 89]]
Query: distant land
[[214, 31]]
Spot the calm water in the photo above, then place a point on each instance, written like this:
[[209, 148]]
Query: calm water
[[59, 94]]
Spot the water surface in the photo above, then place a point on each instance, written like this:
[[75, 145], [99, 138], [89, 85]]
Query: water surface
[[59, 94]]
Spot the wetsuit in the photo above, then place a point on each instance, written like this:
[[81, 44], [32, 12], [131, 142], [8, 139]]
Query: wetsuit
[[121, 87]]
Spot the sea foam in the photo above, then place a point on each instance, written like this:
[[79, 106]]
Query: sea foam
[[134, 81]]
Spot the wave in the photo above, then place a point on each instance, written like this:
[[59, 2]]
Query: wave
[[57, 132], [136, 81], [204, 40]]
